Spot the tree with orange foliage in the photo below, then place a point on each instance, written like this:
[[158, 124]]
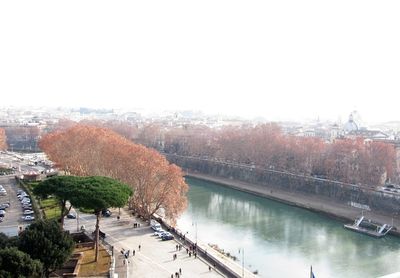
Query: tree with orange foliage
[[158, 186], [3, 139]]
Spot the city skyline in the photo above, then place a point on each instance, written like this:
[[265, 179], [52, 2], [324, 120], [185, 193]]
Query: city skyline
[[278, 61]]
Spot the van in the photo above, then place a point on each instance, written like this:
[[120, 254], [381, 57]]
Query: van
[[155, 225]]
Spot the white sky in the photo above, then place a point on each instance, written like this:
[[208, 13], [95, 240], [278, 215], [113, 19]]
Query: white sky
[[277, 59]]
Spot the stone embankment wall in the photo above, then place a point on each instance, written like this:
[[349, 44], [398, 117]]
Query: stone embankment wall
[[387, 203]]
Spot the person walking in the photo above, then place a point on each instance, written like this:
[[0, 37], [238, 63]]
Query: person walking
[[180, 271], [139, 247]]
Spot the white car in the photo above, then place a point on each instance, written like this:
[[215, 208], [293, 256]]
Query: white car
[[159, 232], [165, 233], [28, 218], [26, 201], [28, 211]]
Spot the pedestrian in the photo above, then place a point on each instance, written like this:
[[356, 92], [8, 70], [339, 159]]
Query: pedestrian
[[133, 252], [139, 247], [176, 247], [209, 268], [172, 275], [180, 271], [187, 251], [195, 255], [190, 254], [180, 247], [124, 261]]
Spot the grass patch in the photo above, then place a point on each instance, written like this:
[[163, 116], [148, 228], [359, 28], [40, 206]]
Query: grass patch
[[89, 267], [50, 207]]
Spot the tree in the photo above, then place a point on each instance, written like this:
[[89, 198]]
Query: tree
[[6, 241], [45, 241], [63, 188], [99, 193], [3, 139], [15, 263], [158, 186]]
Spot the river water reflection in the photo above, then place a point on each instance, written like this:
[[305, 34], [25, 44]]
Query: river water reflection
[[281, 240]]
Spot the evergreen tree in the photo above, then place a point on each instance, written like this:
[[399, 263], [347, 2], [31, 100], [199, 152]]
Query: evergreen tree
[[45, 241]]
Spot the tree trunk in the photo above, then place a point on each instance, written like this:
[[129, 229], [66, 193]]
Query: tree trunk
[[62, 214], [96, 236]]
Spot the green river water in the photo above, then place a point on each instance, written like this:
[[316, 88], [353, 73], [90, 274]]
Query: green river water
[[281, 240]]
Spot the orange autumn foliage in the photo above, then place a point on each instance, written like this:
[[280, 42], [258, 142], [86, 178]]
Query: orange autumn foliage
[[159, 186]]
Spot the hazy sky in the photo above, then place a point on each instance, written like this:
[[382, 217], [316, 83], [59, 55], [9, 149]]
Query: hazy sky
[[276, 59]]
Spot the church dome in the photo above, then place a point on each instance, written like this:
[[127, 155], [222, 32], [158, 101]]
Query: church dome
[[350, 125]]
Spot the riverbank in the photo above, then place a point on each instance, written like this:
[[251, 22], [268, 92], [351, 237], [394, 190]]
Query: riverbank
[[318, 204]]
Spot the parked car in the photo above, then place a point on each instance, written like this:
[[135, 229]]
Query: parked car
[[163, 234], [106, 212], [21, 197], [167, 237], [26, 201], [71, 216], [4, 206], [28, 211], [2, 212], [159, 232], [28, 218]]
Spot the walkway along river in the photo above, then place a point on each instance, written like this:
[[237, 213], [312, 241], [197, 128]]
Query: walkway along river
[[281, 240]]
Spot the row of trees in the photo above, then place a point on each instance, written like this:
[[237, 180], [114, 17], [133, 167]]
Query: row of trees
[[3, 139], [349, 160], [81, 150], [38, 250]]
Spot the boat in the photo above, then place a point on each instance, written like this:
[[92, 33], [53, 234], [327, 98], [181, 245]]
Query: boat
[[367, 227]]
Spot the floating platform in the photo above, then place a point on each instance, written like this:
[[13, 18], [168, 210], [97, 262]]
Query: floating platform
[[367, 227]]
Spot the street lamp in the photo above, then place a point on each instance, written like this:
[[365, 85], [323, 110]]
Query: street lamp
[[241, 250], [195, 224], [77, 220]]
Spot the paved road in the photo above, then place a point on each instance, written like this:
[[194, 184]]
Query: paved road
[[155, 259]]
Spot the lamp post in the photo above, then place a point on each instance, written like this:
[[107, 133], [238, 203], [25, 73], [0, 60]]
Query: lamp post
[[195, 224], [77, 220], [241, 250]]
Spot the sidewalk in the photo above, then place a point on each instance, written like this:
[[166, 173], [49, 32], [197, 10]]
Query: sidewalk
[[155, 258]]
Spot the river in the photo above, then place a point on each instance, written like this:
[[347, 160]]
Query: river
[[281, 240]]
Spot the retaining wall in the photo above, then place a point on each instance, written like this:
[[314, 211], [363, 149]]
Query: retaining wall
[[388, 203]]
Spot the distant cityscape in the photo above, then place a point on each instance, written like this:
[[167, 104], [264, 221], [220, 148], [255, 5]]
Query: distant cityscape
[[25, 125]]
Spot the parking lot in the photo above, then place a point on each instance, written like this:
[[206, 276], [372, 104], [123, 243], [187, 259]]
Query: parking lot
[[12, 221]]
